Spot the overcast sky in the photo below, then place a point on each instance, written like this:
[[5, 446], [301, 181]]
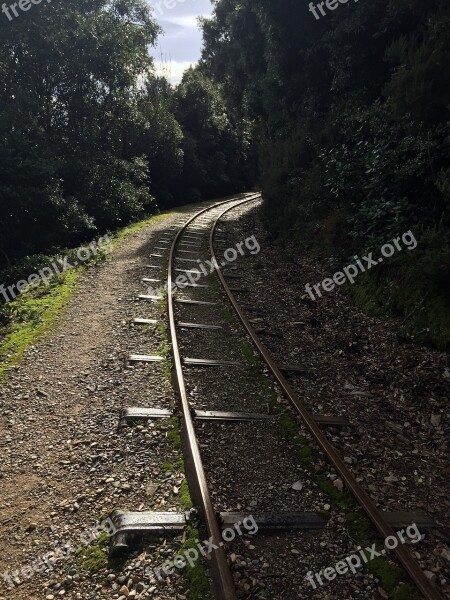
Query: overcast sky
[[180, 45]]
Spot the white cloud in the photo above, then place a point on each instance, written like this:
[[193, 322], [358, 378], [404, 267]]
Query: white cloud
[[189, 22], [172, 70], [179, 46]]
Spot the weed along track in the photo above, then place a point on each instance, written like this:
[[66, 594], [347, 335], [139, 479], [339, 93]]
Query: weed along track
[[268, 496]]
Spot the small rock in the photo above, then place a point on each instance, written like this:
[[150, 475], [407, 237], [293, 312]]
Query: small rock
[[446, 554], [391, 479], [338, 484], [436, 420], [124, 591], [298, 485], [431, 576], [151, 489]]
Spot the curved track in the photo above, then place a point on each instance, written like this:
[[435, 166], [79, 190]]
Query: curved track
[[376, 517], [222, 578], [223, 583]]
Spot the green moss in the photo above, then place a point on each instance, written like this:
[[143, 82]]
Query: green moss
[[390, 575], [173, 435], [168, 466], [93, 558], [184, 496], [136, 227], [228, 315], [360, 528], [248, 353], [405, 592], [197, 577], [32, 314], [199, 586]]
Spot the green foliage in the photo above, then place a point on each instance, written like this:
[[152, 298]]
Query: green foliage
[[415, 284], [31, 315], [248, 353], [173, 435], [199, 587], [24, 320], [350, 117], [93, 558], [92, 139], [214, 153]]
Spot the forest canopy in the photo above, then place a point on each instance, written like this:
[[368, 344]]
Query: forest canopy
[[91, 138], [350, 121]]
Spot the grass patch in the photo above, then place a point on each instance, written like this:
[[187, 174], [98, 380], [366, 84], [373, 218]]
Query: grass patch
[[93, 558], [392, 577], [173, 435], [248, 353], [31, 315], [401, 294], [184, 495], [199, 586], [122, 234], [196, 576]]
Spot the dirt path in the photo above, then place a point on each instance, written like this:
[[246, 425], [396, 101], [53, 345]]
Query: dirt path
[[63, 464]]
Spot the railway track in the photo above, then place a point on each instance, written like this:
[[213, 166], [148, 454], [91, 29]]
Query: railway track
[[183, 259]]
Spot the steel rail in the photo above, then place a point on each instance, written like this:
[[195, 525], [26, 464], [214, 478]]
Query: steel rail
[[223, 583], [384, 529]]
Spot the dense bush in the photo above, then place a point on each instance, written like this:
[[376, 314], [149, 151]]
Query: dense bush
[[351, 115]]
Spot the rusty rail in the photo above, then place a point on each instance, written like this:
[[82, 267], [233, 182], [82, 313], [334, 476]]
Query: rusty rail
[[222, 578], [384, 529]]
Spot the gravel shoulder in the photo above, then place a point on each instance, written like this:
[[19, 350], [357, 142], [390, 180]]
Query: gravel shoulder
[[65, 464], [395, 395]]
